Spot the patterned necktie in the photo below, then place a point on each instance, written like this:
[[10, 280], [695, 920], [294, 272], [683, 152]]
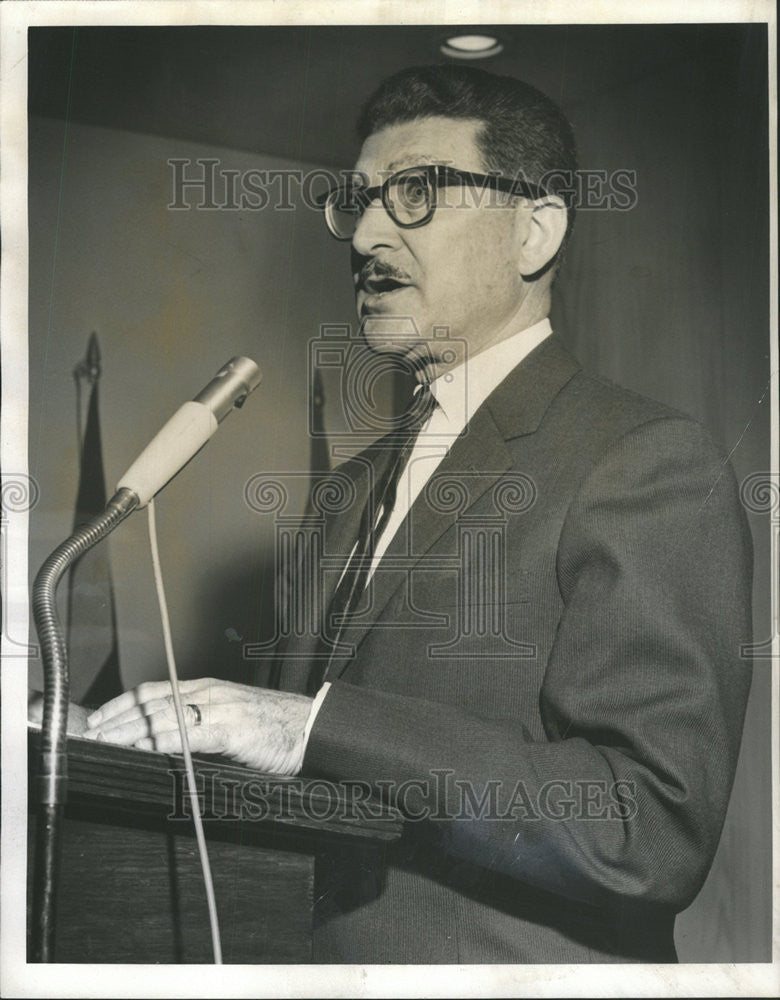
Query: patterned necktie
[[376, 513]]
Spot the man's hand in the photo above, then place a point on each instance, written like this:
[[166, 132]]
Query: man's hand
[[77, 716], [256, 726]]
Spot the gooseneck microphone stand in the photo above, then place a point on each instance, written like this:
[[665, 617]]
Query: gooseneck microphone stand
[[180, 439], [51, 786]]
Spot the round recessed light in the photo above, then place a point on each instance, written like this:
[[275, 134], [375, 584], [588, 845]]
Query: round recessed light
[[471, 46]]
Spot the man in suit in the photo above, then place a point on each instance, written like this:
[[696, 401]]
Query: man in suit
[[532, 642]]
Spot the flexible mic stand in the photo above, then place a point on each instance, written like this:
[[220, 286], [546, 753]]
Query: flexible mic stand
[[180, 439], [51, 786]]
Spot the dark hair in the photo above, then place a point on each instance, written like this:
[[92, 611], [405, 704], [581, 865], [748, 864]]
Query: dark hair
[[524, 133]]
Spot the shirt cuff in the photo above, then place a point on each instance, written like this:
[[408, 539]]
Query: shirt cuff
[[316, 705]]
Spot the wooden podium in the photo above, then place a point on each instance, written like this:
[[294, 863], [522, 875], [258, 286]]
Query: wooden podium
[[130, 887]]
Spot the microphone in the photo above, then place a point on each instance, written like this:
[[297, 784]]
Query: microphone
[[189, 429], [179, 440]]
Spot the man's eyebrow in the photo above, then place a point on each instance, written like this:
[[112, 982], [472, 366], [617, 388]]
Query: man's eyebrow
[[413, 160]]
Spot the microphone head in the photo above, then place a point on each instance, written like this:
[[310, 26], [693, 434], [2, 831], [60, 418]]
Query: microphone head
[[230, 386]]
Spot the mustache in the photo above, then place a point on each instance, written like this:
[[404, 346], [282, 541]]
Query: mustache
[[374, 269]]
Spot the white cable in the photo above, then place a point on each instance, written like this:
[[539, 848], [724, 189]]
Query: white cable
[[185, 746]]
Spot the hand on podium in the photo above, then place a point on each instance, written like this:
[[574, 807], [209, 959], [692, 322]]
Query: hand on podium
[[261, 728], [77, 715]]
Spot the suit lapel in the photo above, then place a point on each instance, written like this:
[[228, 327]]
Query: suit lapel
[[519, 403], [476, 461], [337, 532]]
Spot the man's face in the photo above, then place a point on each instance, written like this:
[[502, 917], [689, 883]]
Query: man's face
[[458, 270]]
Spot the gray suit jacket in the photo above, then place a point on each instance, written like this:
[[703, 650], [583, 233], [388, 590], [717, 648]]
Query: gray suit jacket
[[546, 679]]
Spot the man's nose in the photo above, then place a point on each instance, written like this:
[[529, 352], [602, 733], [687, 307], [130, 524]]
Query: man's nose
[[375, 229]]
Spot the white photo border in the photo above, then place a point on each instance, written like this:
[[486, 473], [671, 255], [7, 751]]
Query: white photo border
[[22, 979]]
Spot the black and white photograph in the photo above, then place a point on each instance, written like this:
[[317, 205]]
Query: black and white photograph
[[449, 667]]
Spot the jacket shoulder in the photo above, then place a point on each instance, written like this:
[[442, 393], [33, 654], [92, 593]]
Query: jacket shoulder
[[602, 409], [617, 407]]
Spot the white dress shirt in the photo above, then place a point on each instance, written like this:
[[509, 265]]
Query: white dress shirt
[[459, 393]]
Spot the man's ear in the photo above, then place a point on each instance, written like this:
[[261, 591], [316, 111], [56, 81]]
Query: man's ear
[[542, 234]]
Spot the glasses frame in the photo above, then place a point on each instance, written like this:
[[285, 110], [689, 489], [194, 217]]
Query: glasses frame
[[439, 175]]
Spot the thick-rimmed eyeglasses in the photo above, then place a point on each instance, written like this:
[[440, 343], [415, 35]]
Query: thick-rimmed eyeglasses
[[410, 196]]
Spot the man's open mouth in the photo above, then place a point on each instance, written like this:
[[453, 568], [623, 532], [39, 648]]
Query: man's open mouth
[[380, 286]]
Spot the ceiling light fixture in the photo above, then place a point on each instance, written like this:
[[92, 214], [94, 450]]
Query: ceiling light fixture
[[471, 46]]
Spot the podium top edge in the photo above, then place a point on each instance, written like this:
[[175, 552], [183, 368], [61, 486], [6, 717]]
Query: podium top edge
[[127, 777]]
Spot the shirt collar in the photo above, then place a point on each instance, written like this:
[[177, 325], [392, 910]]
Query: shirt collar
[[461, 391]]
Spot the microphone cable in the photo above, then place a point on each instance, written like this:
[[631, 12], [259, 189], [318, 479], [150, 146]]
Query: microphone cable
[[185, 745]]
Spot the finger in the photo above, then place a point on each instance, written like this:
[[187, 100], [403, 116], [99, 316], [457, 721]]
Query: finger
[[144, 693], [147, 691], [162, 706], [201, 740], [135, 729], [35, 707], [140, 722]]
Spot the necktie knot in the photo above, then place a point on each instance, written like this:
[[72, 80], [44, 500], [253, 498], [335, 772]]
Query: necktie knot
[[416, 413]]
